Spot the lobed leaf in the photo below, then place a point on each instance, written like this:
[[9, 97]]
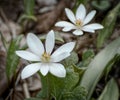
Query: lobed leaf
[[87, 57], [72, 59], [62, 88]]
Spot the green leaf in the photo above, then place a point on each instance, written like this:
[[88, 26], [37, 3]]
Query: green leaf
[[78, 2], [72, 59], [111, 91], [66, 84], [101, 4], [87, 56], [78, 93], [98, 65], [29, 17], [110, 64], [29, 7], [45, 91], [108, 23], [29, 12], [4, 41], [58, 37], [12, 59], [59, 88]]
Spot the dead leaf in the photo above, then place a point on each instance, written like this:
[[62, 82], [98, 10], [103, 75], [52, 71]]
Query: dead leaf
[[3, 77], [47, 20]]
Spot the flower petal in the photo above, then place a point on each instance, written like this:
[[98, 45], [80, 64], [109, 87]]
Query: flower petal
[[60, 57], [66, 29], [81, 12], [70, 15], [57, 70], [64, 24], [35, 44], [78, 32], [88, 30], [93, 26], [68, 47], [89, 17], [50, 42], [44, 68], [28, 55], [29, 70]]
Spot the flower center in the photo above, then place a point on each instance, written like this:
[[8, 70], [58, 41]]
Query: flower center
[[78, 22], [45, 57]]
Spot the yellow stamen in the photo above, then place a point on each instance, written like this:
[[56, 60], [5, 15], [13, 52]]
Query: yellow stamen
[[78, 22], [45, 57]]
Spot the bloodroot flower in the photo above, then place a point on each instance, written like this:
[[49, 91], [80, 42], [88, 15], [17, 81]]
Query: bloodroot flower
[[44, 60], [79, 21]]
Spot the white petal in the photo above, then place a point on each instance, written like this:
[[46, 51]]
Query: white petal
[[78, 32], [81, 12], [64, 24], [35, 44], [57, 70], [60, 57], [66, 29], [29, 70], [28, 55], [88, 30], [94, 26], [89, 17], [50, 42], [68, 47], [70, 15], [44, 68]]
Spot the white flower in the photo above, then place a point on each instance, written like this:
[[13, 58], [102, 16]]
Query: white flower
[[79, 21], [46, 61]]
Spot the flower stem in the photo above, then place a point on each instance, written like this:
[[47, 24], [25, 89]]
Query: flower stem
[[46, 87], [77, 44], [48, 84]]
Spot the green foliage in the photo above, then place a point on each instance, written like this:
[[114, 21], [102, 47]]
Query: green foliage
[[29, 10], [44, 93], [97, 66], [111, 91], [72, 59], [12, 59], [3, 41], [58, 38], [29, 7], [78, 2], [87, 56], [108, 23], [62, 88], [101, 4], [78, 93], [110, 64]]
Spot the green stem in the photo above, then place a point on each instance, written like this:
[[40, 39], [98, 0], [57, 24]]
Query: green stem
[[45, 92], [77, 44], [48, 83]]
